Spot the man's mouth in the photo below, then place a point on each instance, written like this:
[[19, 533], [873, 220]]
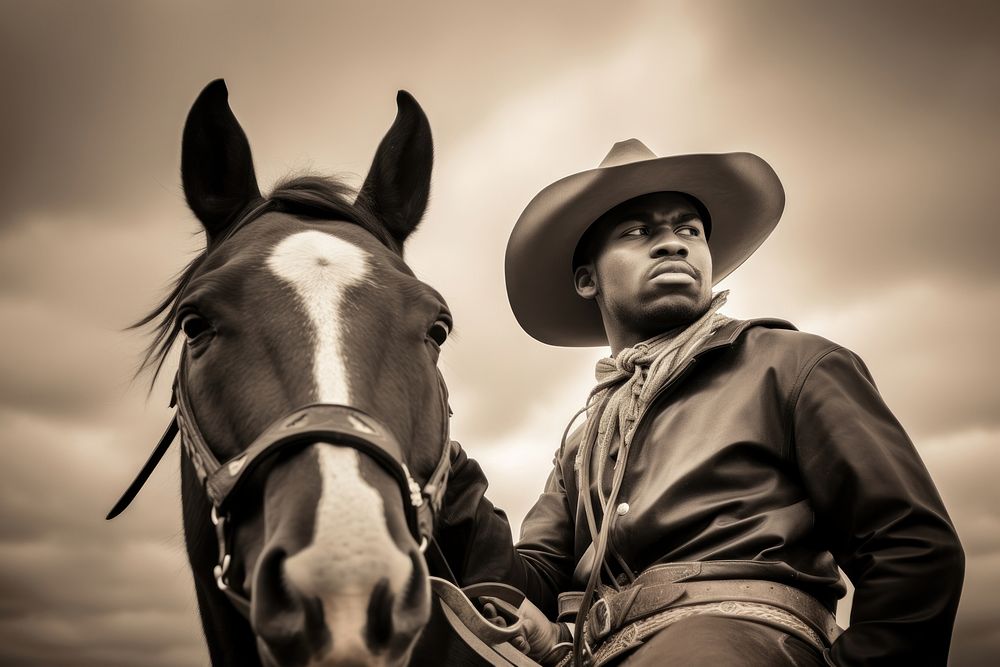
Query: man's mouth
[[673, 269]]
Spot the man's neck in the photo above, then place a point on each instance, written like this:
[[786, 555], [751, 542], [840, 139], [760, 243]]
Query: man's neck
[[621, 340], [622, 335]]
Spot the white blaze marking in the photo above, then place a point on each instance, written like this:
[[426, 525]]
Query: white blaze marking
[[351, 548], [321, 267]]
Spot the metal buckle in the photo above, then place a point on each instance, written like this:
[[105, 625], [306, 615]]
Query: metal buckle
[[222, 569]]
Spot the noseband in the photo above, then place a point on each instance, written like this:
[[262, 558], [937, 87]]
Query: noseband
[[339, 425]]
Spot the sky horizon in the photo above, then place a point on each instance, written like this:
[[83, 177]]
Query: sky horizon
[[880, 121]]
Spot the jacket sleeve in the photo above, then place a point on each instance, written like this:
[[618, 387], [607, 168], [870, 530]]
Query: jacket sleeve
[[884, 521], [476, 540]]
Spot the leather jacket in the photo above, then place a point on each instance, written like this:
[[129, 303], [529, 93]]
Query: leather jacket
[[773, 456]]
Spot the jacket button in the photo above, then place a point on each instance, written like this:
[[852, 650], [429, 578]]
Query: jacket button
[[622, 509]]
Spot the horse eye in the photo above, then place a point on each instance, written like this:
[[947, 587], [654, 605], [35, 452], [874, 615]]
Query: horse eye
[[194, 326], [439, 332]]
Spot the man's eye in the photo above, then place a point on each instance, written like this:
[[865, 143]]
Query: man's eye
[[689, 231], [636, 231]]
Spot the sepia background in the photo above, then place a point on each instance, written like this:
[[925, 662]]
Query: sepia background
[[880, 118]]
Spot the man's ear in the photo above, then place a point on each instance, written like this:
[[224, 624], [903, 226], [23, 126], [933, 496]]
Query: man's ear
[[585, 281]]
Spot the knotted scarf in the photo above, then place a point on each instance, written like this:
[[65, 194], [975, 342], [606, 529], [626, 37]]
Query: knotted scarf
[[628, 381]]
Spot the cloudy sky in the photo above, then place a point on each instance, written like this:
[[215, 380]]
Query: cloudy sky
[[880, 118]]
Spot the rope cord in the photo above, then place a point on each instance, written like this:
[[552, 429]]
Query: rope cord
[[626, 385]]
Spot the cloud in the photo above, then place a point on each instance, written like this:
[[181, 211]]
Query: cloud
[[68, 290], [922, 339], [105, 272], [519, 460], [102, 91], [79, 590], [976, 641], [866, 219], [61, 477], [57, 363], [963, 465], [879, 126]]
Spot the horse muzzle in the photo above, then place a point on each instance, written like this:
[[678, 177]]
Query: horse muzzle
[[349, 587]]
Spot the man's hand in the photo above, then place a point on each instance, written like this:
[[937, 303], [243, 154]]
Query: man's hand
[[539, 636]]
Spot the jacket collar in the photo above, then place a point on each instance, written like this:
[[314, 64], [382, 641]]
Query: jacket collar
[[729, 333]]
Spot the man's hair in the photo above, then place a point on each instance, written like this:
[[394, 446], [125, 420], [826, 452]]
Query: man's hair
[[587, 247]]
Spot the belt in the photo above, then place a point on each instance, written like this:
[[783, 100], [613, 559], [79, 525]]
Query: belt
[[621, 619]]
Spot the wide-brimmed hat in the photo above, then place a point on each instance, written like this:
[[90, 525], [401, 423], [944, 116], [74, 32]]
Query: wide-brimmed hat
[[741, 192]]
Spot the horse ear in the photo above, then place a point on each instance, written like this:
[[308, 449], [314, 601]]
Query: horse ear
[[216, 164], [399, 181]]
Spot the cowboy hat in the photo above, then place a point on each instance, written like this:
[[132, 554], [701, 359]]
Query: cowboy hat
[[741, 192]]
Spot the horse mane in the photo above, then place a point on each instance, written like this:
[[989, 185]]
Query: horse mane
[[319, 197]]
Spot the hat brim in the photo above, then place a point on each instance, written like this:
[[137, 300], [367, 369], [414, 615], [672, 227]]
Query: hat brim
[[742, 193]]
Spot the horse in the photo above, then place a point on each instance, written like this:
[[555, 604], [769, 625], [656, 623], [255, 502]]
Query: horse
[[311, 411]]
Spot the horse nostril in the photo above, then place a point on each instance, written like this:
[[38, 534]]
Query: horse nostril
[[272, 595], [413, 605], [290, 624], [395, 619], [416, 592], [378, 630]]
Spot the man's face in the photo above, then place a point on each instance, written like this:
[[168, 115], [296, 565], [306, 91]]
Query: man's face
[[650, 268]]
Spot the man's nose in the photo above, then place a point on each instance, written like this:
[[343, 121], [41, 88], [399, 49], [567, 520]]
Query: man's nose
[[668, 244]]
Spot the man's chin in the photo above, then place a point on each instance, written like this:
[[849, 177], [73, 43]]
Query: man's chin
[[677, 310]]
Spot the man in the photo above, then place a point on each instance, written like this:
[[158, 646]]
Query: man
[[725, 468]]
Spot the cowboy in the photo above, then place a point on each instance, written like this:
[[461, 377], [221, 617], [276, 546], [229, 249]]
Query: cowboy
[[725, 468]]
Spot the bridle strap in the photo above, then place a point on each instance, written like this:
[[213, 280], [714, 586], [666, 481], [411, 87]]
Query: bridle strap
[[339, 425], [437, 483], [193, 443], [147, 469]]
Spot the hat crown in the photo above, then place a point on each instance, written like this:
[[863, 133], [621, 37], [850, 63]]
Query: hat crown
[[625, 152]]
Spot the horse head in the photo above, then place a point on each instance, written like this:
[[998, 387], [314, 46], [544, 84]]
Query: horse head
[[300, 303]]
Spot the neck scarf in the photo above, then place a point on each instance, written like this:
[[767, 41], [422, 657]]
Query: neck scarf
[[628, 381]]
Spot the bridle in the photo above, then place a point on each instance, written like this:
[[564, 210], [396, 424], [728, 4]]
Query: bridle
[[341, 425], [338, 425]]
